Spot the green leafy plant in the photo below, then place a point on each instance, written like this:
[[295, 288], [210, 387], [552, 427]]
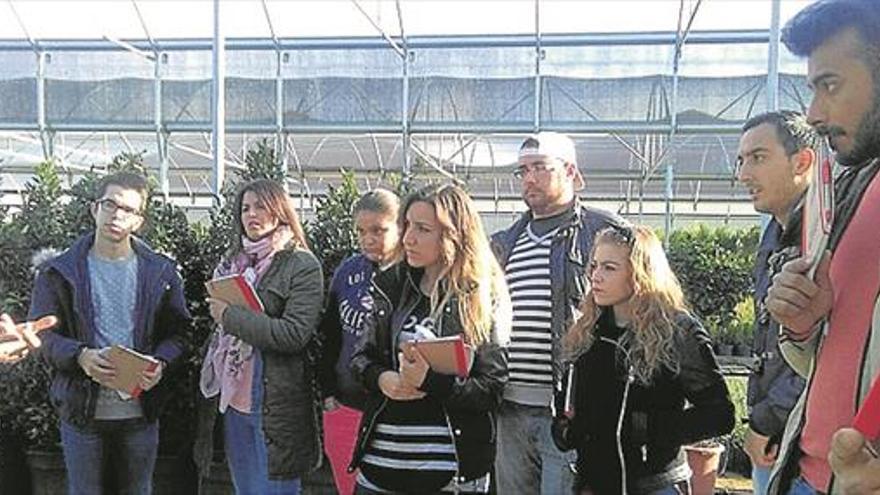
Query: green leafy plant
[[331, 234], [714, 265], [741, 328]]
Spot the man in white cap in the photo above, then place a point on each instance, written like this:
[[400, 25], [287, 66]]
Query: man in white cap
[[545, 255]]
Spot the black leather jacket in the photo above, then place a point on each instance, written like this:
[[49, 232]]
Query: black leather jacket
[[470, 404], [653, 424]]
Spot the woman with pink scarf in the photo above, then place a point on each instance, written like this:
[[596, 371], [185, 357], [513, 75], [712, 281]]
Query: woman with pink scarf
[[258, 372]]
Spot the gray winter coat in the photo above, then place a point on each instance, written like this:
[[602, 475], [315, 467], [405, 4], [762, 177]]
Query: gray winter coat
[[292, 292]]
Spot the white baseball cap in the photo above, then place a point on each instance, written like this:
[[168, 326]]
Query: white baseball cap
[[553, 145]]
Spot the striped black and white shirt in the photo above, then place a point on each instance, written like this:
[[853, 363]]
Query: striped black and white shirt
[[531, 358], [410, 449]]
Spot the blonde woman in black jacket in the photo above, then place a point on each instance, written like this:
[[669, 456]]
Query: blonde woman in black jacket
[[637, 356], [425, 432]]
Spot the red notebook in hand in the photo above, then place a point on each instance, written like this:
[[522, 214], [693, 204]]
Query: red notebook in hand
[[818, 211], [235, 290], [447, 355], [129, 366]]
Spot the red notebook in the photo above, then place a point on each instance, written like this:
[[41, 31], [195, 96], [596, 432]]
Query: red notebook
[[129, 366], [235, 290], [818, 211], [447, 355], [867, 420]]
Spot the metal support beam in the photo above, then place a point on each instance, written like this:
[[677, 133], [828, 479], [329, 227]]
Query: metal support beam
[[681, 38], [669, 197], [405, 133], [400, 50], [218, 107], [161, 134], [43, 58], [46, 135], [757, 36], [280, 59], [539, 56], [773, 59]]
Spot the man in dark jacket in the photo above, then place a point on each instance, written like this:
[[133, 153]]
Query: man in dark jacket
[[775, 162], [110, 289], [545, 256]]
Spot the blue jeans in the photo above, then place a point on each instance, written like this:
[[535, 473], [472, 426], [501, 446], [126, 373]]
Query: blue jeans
[[760, 480], [127, 446], [528, 460], [800, 487], [248, 458]]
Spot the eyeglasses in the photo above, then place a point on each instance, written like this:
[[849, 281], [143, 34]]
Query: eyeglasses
[[539, 169], [110, 206]]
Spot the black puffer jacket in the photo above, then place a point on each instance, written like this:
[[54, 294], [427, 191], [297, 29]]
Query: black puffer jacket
[[655, 423], [470, 404]]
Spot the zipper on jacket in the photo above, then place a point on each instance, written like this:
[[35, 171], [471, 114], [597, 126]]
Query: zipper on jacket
[[362, 447], [455, 476], [630, 378]]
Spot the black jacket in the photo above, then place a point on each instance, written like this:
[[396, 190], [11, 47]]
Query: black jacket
[[569, 262], [470, 404], [774, 387], [655, 421]]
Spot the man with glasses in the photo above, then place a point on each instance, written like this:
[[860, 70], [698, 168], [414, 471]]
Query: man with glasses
[[545, 258], [110, 288], [775, 163]]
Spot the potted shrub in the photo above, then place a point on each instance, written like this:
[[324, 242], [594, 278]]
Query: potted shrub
[[720, 337], [742, 327]]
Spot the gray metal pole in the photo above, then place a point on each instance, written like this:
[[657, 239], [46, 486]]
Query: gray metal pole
[[218, 106], [539, 55], [406, 134], [668, 196], [45, 134], [280, 138], [161, 136], [404, 122], [773, 59]]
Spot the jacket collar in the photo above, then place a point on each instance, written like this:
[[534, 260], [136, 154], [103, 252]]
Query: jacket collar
[[396, 279], [71, 264]]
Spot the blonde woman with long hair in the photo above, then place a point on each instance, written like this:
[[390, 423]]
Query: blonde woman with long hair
[[636, 357], [423, 431]]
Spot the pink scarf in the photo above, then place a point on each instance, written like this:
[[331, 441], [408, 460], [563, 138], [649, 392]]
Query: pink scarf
[[228, 368]]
